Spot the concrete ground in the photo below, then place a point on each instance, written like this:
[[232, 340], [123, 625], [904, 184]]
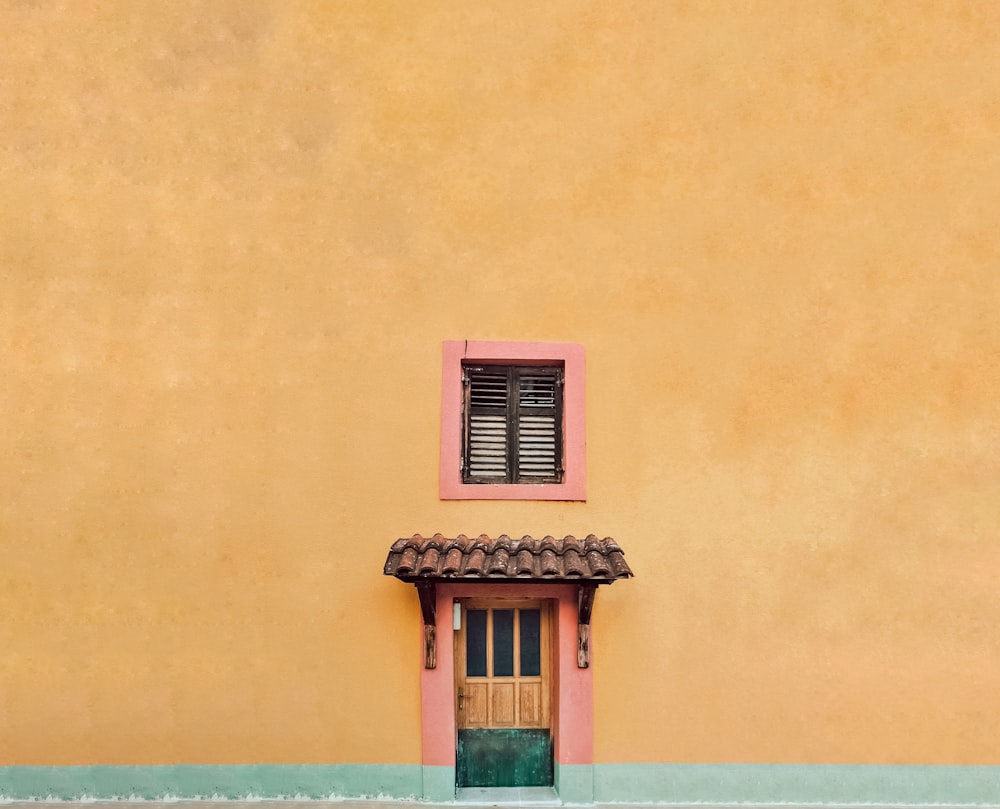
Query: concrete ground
[[481, 802]]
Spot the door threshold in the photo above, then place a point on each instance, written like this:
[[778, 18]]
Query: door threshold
[[508, 796]]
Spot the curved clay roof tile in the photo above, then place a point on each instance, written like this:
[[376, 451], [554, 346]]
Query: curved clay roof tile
[[572, 566], [598, 564], [525, 563], [550, 563], [549, 543], [475, 562], [429, 562], [436, 542], [498, 564], [530, 543], [619, 565], [570, 542], [453, 562], [408, 561]]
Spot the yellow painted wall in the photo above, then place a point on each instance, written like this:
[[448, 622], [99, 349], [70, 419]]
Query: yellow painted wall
[[234, 234]]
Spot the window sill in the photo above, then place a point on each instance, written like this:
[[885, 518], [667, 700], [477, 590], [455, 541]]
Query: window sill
[[511, 491]]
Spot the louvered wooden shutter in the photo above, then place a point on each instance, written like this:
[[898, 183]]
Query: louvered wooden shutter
[[487, 416], [539, 445], [513, 424]]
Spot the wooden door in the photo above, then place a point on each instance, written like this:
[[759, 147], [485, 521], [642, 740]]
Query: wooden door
[[502, 697]]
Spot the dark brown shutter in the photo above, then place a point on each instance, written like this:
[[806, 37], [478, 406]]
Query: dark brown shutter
[[513, 424], [486, 424], [539, 425]]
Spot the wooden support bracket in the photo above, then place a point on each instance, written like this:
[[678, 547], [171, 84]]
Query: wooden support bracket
[[428, 601], [585, 607]]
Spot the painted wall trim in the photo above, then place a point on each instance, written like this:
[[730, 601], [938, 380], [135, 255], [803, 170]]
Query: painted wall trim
[[829, 784], [678, 784], [211, 781], [574, 783], [439, 784], [571, 355]]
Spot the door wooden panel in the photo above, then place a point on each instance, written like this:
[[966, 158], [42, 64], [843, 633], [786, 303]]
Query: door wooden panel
[[502, 705], [530, 704], [476, 704]]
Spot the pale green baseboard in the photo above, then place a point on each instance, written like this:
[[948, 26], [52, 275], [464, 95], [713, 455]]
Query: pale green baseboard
[[575, 782], [212, 781], [439, 784], [762, 784], [885, 784]]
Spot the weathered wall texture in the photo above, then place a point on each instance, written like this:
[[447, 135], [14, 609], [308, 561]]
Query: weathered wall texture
[[234, 234]]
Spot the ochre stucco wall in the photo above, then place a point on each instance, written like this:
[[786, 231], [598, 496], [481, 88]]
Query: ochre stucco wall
[[234, 234]]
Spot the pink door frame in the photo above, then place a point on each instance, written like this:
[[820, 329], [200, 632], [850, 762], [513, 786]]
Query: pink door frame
[[572, 697]]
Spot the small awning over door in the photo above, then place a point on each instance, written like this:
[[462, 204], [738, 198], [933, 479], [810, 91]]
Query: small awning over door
[[428, 561], [436, 558]]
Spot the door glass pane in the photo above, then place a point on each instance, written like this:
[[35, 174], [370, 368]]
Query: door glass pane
[[531, 643], [503, 643], [475, 643]]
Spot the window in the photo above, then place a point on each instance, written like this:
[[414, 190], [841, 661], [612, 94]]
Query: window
[[512, 421], [512, 417]]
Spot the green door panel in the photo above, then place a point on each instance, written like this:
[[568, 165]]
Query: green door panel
[[509, 757]]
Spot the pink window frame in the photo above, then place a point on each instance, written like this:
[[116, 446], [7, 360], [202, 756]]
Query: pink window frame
[[571, 356]]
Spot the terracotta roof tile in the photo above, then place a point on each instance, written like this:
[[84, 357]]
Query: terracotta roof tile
[[524, 559]]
